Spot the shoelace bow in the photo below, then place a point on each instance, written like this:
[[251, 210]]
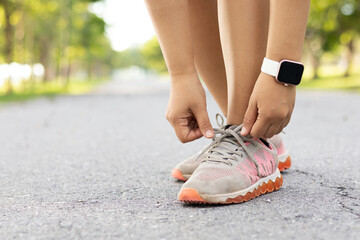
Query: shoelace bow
[[221, 149]]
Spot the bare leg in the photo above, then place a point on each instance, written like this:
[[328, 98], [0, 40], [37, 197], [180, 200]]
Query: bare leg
[[243, 32], [208, 55]]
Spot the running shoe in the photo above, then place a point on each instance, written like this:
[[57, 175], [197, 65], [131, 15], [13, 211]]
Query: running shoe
[[283, 154], [184, 170], [234, 169]]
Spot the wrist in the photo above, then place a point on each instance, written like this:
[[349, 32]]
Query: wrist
[[281, 55], [185, 77], [183, 71], [270, 80]]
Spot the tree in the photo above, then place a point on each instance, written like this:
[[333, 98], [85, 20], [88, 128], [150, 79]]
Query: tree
[[320, 36], [332, 24], [62, 35], [8, 7], [153, 57], [349, 28]]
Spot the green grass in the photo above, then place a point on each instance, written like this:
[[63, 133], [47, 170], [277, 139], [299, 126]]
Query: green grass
[[29, 91], [332, 83]]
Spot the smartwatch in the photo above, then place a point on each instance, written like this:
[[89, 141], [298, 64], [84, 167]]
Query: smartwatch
[[286, 72]]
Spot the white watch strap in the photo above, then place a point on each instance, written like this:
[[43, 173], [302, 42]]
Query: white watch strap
[[270, 67]]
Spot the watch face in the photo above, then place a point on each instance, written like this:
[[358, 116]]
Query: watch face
[[290, 72]]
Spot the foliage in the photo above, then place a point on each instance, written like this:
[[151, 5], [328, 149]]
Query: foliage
[[70, 41], [62, 35], [153, 57], [332, 25], [147, 56]]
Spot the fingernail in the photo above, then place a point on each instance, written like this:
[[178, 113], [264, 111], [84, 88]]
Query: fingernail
[[243, 131], [209, 134]]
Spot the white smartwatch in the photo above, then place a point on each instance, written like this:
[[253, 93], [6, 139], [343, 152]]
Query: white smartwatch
[[286, 72]]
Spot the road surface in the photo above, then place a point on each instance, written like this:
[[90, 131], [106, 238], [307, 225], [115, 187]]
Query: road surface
[[98, 166]]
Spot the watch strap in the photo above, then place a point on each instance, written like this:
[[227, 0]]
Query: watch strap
[[270, 67]]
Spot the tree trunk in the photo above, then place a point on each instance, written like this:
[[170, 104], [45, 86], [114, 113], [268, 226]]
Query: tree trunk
[[315, 60], [45, 60], [8, 41], [350, 57], [8, 32], [68, 70]]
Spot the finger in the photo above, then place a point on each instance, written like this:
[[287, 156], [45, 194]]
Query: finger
[[249, 119], [272, 130], [185, 129], [185, 134], [260, 127], [282, 125], [286, 122], [203, 122]]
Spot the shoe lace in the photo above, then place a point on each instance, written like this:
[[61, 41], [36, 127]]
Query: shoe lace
[[221, 150]]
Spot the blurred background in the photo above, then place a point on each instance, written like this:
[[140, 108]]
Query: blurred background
[[50, 47]]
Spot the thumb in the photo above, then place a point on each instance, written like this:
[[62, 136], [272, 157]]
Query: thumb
[[249, 119], [203, 122]]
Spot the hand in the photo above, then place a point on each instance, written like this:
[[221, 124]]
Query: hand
[[186, 109], [270, 108]]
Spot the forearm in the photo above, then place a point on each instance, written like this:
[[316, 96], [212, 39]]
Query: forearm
[[172, 25], [288, 19]]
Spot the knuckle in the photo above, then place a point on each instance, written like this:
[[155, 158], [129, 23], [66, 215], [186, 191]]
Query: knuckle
[[267, 115], [247, 120], [181, 138], [254, 134], [280, 115], [167, 116], [203, 123], [279, 130], [284, 113]]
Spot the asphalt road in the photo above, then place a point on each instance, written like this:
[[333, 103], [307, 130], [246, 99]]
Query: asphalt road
[[98, 166]]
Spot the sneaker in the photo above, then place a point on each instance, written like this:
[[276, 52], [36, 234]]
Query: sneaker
[[233, 170], [184, 170], [283, 154]]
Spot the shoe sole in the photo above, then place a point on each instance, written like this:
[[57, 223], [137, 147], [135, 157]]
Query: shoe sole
[[284, 163], [177, 174], [265, 185]]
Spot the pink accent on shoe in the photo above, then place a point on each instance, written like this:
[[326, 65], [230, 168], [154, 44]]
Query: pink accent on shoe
[[248, 168], [280, 148], [266, 162]]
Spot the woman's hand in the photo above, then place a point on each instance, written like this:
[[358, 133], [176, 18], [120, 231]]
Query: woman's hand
[[270, 108], [186, 109]]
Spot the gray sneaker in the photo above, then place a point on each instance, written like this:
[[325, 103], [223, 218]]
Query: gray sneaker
[[184, 170], [234, 169]]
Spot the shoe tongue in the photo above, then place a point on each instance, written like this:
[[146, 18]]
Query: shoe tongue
[[229, 144], [233, 127]]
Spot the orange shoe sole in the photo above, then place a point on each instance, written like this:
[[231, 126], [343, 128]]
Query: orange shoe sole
[[285, 165], [176, 173], [190, 195]]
